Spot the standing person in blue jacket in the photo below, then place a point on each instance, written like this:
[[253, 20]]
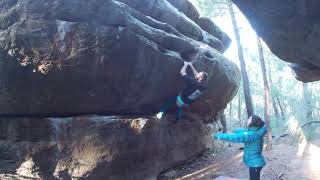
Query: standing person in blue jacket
[[195, 85], [253, 144]]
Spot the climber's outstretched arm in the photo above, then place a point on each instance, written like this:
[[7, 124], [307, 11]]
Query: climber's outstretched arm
[[195, 72], [183, 70]]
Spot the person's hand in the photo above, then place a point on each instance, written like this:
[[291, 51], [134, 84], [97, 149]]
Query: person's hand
[[188, 63]]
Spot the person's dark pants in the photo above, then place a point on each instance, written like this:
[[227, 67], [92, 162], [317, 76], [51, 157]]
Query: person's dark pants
[[171, 102], [255, 173]]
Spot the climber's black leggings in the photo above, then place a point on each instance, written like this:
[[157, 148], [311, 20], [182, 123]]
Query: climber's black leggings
[[255, 173], [170, 103]]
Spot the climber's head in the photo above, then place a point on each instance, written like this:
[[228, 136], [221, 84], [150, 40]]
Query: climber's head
[[202, 77], [255, 121]]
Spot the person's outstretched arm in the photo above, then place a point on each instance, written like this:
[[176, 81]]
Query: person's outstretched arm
[[244, 137], [183, 70], [195, 72], [240, 130]]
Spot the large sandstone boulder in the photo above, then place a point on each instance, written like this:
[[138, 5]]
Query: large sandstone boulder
[[186, 7], [97, 147], [103, 57], [71, 57], [291, 29], [209, 26]]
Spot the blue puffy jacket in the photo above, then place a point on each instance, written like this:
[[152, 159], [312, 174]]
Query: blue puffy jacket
[[253, 144]]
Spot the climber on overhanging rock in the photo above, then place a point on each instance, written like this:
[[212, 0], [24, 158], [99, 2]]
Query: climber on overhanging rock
[[193, 90]]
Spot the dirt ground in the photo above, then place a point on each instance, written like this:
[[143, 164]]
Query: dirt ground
[[284, 162]]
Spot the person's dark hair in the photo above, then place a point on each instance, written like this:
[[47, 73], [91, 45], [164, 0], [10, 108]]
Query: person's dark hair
[[188, 54], [256, 122], [205, 76]]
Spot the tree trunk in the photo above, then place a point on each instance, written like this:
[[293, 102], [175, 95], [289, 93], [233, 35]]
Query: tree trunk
[[239, 109], [277, 96], [245, 79], [273, 99], [307, 102], [230, 110], [223, 122], [266, 94], [281, 107]]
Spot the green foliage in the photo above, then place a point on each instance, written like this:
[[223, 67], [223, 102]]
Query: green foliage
[[211, 8]]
